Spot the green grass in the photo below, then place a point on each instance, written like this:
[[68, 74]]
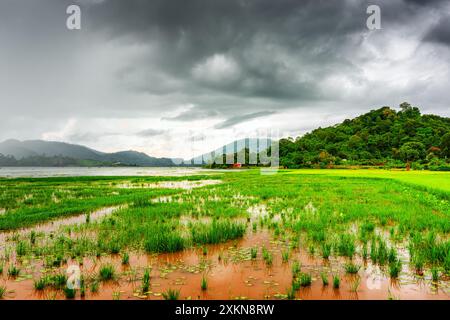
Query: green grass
[[267, 256], [32, 200], [253, 253], [171, 294], [2, 292], [69, 293], [324, 278], [146, 281], [395, 268], [13, 271], [304, 279], [352, 268], [106, 272], [125, 258], [204, 283], [216, 232], [336, 282]]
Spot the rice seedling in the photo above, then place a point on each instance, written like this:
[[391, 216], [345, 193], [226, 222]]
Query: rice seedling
[[204, 283], [94, 287], [82, 287], [304, 279], [57, 280], [364, 251], [285, 256], [69, 293], [146, 281], [41, 283], [253, 252], [355, 284], [32, 237], [324, 278], [326, 250], [296, 268], [216, 232], [346, 245], [171, 294], [352, 268], [125, 258], [336, 282], [21, 248], [2, 291], [395, 268], [204, 250], [106, 272], [418, 264], [311, 249], [434, 274], [13, 271], [290, 295], [267, 256], [162, 240]]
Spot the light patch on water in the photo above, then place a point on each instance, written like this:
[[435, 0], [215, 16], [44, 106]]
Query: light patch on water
[[309, 208], [258, 211], [186, 220], [186, 185], [54, 225], [374, 277]]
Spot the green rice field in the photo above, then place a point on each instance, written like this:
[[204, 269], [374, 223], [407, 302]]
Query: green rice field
[[297, 234]]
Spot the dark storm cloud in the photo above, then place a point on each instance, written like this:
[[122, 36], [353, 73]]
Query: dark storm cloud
[[441, 32], [230, 60], [265, 41], [242, 118]]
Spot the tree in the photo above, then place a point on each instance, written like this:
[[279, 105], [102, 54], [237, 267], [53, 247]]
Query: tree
[[412, 151], [445, 145]]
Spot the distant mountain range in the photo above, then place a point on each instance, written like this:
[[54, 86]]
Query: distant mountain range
[[237, 149], [52, 153]]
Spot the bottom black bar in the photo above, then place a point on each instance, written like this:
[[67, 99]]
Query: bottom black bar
[[223, 309]]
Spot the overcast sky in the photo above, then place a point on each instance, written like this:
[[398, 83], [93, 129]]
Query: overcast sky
[[178, 78]]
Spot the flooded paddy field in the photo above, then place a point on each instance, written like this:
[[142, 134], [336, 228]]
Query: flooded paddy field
[[228, 235]]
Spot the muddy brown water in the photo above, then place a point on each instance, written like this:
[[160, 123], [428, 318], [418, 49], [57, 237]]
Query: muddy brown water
[[232, 276]]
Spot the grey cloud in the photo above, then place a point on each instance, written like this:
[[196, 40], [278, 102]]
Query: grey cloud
[[242, 118], [193, 114], [139, 58], [150, 132], [441, 32]]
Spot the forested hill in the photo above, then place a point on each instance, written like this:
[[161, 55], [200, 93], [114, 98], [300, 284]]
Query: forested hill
[[381, 137]]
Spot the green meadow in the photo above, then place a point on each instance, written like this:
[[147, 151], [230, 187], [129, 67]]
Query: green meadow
[[356, 215]]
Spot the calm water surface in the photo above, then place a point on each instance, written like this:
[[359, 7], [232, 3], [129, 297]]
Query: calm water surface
[[13, 172]]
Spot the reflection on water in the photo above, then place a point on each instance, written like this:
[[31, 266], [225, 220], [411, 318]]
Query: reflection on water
[[12, 172]]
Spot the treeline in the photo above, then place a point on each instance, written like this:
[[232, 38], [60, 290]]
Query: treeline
[[46, 161], [382, 137]]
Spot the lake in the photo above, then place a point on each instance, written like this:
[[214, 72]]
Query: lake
[[15, 172]]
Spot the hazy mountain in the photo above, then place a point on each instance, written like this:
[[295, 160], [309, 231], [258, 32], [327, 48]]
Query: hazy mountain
[[38, 149], [252, 145]]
